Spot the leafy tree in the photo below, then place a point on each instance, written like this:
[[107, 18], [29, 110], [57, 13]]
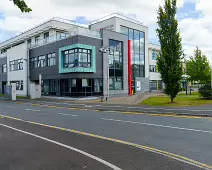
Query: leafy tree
[[198, 67], [169, 60], [21, 4]]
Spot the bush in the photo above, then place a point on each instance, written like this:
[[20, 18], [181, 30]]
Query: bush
[[205, 91]]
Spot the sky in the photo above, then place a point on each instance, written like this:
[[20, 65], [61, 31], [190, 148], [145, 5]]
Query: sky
[[194, 17]]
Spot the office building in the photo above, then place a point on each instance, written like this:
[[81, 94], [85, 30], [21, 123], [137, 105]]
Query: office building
[[109, 57]]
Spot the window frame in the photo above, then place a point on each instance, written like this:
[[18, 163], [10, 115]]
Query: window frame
[[19, 83], [77, 60], [4, 71], [16, 65], [41, 62], [51, 57]]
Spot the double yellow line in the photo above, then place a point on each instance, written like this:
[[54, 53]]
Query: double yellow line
[[158, 151]]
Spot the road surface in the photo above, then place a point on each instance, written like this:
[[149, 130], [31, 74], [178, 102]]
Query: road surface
[[190, 138]]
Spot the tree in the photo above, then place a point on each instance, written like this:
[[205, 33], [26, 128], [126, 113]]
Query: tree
[[169, 60], [21, 4], [198, 67]]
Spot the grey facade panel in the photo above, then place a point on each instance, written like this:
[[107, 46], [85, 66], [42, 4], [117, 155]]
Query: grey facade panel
[[53, 71], [107, 35], [3, 76]]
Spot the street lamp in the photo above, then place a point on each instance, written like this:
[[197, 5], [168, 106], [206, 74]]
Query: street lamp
[[106, 50]]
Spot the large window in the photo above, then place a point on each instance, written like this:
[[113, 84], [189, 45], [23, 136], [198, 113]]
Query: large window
[[34, 62], [42, 61], [19, 84], [116, 65], [16, 65], [138, 50], [51, 61], [77, 58], [4, 68], [156, 85], [73, 87]]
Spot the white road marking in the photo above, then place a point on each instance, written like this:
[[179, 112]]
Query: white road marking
[[163, 126], [10, 106], [65, 114], [66, 146], [33, 110]]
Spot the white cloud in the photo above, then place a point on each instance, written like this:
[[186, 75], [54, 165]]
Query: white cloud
[[198, 31], [194, 31]]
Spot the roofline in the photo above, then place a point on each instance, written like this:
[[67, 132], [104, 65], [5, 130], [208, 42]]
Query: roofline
[[118, 15], [52, 19]]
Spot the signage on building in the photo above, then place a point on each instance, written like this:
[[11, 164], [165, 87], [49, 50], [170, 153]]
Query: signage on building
[[108, 27]]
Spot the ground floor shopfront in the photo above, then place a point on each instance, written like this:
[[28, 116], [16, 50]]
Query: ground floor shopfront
[[72, 87]]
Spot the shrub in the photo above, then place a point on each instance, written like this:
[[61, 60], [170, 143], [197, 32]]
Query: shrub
[[205, 91]]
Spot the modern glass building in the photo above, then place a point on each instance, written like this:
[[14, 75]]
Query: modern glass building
[[65, 58], [138, 50]]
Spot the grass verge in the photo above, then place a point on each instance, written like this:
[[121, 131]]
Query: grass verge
[[180, 100]]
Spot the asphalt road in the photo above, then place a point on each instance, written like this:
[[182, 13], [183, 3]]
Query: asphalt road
[[205, 110], [186, 137], [28, 146]]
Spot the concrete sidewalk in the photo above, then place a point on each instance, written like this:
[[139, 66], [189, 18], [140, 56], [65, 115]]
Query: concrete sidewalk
[[198, 111]]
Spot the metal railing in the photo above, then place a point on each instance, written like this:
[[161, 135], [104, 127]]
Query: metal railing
[[70, 33]]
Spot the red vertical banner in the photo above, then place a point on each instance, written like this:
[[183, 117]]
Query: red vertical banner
[[130, 67]]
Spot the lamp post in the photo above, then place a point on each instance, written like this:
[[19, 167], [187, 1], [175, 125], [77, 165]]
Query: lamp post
[[106, 50]]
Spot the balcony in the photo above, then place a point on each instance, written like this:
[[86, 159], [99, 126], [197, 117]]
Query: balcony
[[64, 35]]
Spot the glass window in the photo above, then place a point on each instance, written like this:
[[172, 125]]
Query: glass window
[[142, 49], [153, 68], [142, 35], [51, 60], [37, 38], [130, 34], [61, 35], [46, 37], [84, 82], [74, 83], [77, 58], [19, 84], [124, 30], [136, 35], [42, 61], [136, 46], [4, 68], [153, 55], [156, 85], [16, 65], [137, 59], [34, 62], [115, 65]]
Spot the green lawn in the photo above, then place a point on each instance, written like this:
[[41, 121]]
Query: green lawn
[[180, 100]]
